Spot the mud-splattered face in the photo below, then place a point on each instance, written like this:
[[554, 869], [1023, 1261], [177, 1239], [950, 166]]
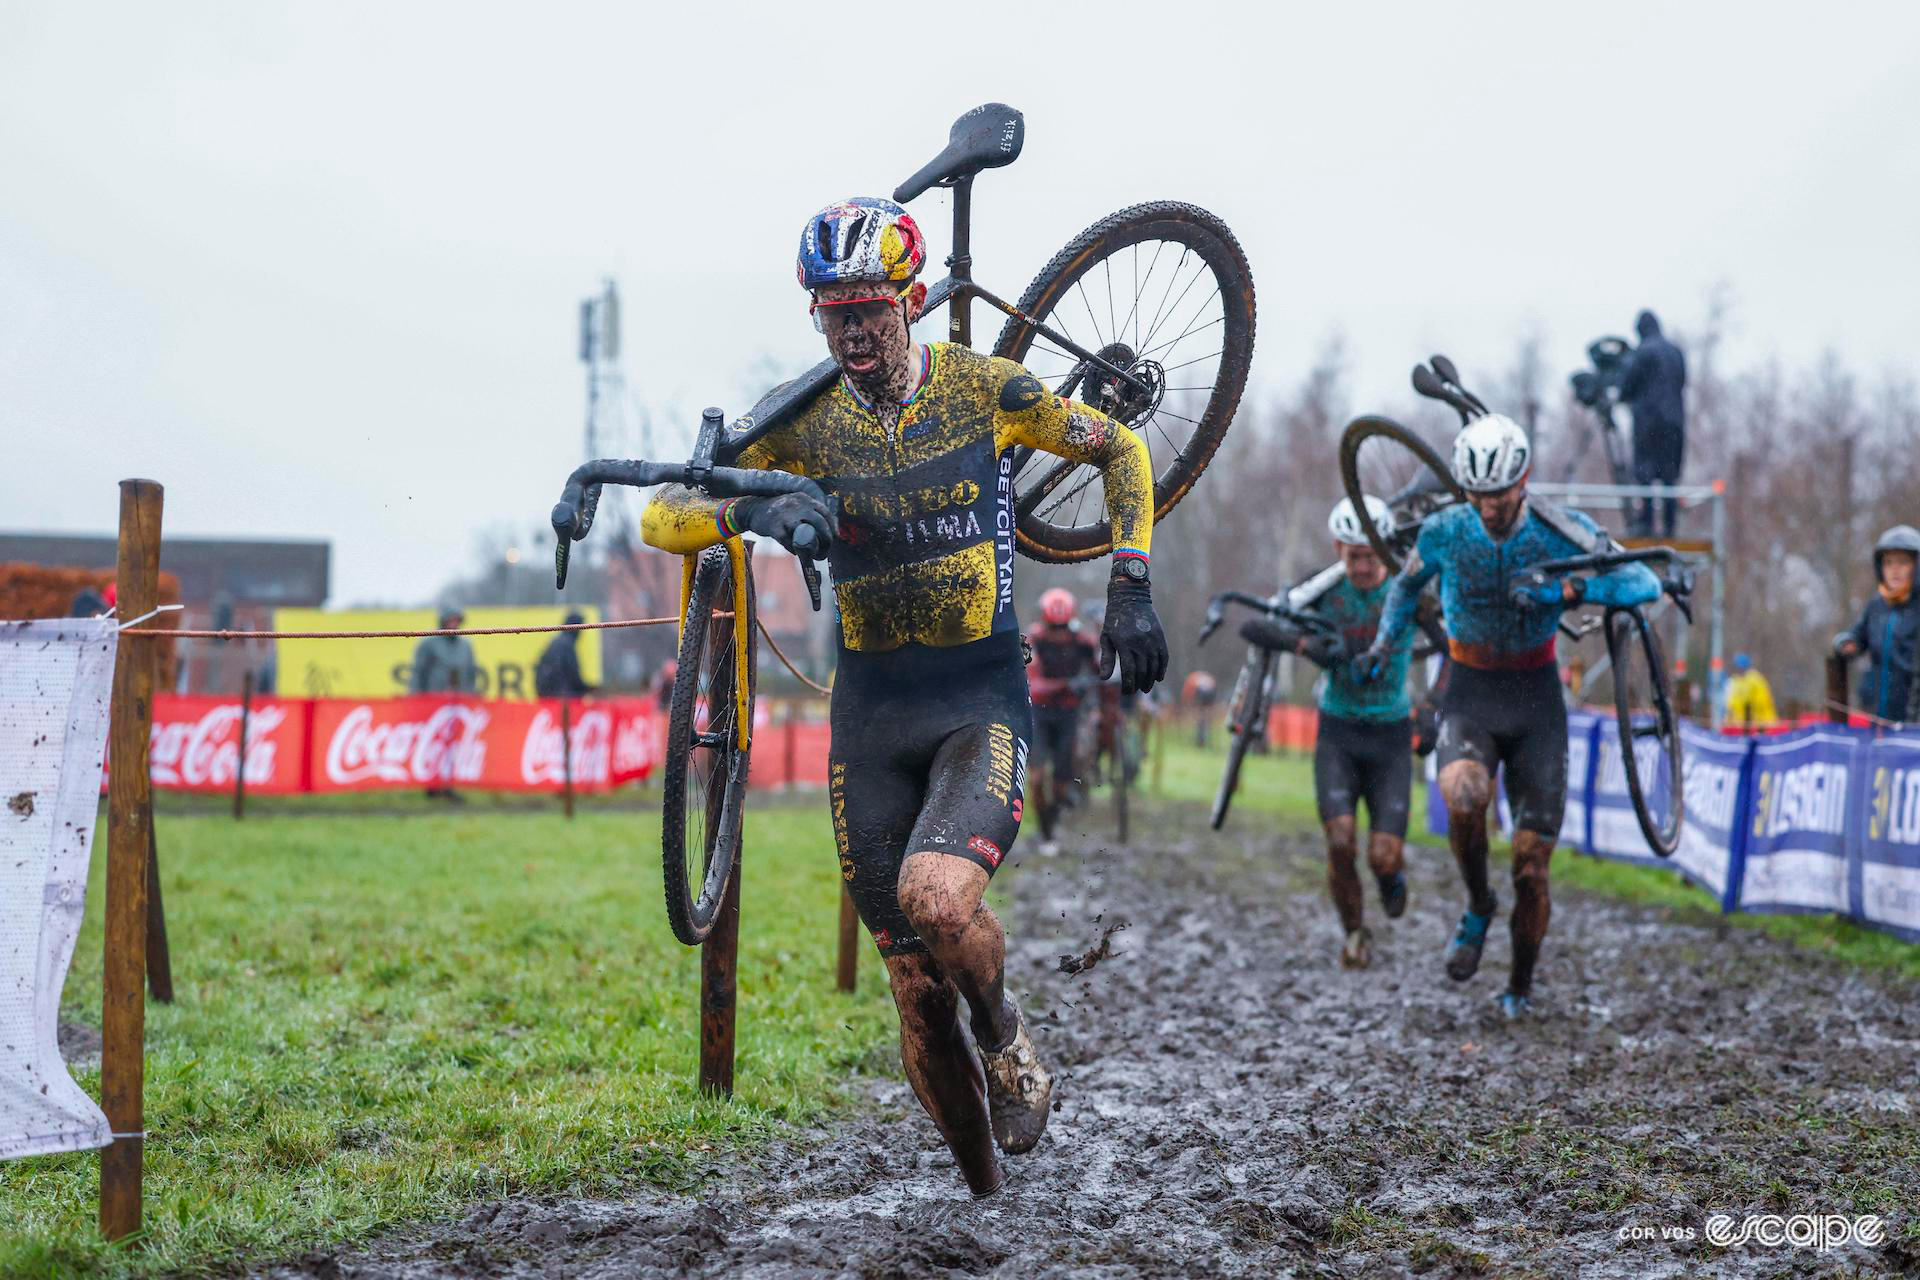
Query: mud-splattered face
[[1896, 570], [1499, 512], [866, 328], [1365, 569]]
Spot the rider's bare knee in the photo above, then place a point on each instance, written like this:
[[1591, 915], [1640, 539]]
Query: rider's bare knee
[[1342, 844], [1467, 788], [940, 907], [1532, 853]]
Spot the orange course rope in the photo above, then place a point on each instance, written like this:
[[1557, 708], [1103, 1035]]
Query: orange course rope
[[395, 635]]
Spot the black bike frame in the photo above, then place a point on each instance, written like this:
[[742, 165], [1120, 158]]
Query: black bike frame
[[956, 290]]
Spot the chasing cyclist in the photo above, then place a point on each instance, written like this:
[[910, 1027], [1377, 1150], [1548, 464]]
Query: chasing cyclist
[[1066, 660], [1363, 750], [1889, 630], [1503, 704], [930, 713]]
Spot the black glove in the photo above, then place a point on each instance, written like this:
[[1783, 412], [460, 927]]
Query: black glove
[[1371, 665], [1426, 727], [1325, 650], [782, 518], [1266, 633], [1132, 637]]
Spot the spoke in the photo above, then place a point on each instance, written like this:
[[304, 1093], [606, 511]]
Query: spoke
[[1097, 343], [1175, 306], [1106, 265], [1196, 360], [1158, 314], [1133, 315], [1192, 328]]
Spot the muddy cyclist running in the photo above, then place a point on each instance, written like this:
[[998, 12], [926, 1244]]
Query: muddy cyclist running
[[1363, 749], [1061, 675], [931, 721], [1503, 704]]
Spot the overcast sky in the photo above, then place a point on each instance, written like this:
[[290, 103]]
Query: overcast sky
[[316, 267]]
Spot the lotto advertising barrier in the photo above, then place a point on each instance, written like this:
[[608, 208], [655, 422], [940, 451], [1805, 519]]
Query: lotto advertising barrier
[[298, 746], [1822, 819]]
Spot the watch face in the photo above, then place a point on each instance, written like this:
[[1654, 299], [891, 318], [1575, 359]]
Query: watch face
[[1133, 568]]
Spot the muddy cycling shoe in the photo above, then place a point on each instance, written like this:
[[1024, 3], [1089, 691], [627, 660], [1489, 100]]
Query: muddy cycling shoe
[[1019, 1091], [1393, 894], [1514, 1006], [1463, 953], [1358, 951]]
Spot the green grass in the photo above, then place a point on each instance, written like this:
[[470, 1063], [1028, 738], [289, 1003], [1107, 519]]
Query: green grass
[[1281, 784], [381, 1019]]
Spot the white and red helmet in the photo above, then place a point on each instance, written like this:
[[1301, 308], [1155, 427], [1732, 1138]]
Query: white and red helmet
[[1057, 606]]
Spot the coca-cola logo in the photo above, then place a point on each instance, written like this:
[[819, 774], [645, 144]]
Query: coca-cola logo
[[636, 746], [543, 754], [205, 752], [448, 746]]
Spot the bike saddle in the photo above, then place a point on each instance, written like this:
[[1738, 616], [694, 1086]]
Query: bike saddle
[[985, 138]]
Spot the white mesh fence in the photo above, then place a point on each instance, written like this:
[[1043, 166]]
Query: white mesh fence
[[55, 684]]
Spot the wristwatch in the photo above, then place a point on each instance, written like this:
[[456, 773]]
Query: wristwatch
[[1130, 568]]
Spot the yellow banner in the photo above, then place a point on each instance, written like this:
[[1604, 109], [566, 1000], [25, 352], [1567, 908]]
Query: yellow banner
[[384, 668]]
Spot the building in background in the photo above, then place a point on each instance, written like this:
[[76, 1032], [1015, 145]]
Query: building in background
[[225, 584]]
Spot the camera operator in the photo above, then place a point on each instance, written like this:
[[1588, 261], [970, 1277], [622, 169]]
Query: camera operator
[[1654, 387]]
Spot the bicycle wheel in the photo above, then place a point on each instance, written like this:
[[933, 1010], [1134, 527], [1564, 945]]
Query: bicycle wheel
[[705, 774], [1643, 707], [1163, 291], [1246, 722], [1380, 457]]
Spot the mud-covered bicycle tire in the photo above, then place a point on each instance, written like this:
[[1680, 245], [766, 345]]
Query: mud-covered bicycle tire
[[1626, 629], [1391, 549], [1208, 236], [691, 914]]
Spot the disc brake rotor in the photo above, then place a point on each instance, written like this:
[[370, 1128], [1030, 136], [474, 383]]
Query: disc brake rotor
[[1129, 402]]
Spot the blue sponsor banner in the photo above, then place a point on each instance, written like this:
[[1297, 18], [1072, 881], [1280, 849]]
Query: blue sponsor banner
[[1575, 833], [1805, 788], [1715, 783], [1886, 874]]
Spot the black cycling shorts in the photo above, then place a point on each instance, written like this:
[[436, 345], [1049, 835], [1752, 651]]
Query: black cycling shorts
[[1515, 719], [1370, 760], [1055, 731], [929, 755]]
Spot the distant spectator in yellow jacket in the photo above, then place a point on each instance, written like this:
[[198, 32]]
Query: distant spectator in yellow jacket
[[1749, 696]]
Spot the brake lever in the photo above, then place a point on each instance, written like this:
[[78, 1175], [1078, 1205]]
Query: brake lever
[[809, 571], [1211, 625]]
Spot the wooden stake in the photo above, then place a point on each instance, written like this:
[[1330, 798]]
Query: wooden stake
[[159, 957], [566, 756], [849, 973], [1836, 688], [240, 773], [129, 827]]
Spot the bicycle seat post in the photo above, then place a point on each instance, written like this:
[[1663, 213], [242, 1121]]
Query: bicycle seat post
[[960, 264]]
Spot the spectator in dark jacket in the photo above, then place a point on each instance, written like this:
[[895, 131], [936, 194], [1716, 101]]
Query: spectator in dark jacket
[[445, 664], [1889, 629], [557, 674], [1655, 389]]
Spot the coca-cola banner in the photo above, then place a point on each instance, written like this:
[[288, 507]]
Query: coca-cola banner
[[491, 746], [196, 744], [297, 745]]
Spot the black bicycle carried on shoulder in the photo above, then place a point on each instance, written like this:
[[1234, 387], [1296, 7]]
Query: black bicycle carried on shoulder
[[1381, 456], [1252, 699], [1148, 315]]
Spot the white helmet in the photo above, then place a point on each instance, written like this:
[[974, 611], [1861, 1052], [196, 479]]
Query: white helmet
[[1344, 523], [1491, 454]]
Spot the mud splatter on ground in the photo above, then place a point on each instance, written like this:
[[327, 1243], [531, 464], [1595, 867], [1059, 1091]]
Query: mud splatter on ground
[[1235, 1104]]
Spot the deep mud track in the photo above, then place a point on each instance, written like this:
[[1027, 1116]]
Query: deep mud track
[[1233, 1103]]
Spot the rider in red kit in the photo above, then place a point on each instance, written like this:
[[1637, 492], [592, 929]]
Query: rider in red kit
[[1066, 661]]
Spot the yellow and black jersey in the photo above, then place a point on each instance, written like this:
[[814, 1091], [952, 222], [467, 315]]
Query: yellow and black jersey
[[924, 548]]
